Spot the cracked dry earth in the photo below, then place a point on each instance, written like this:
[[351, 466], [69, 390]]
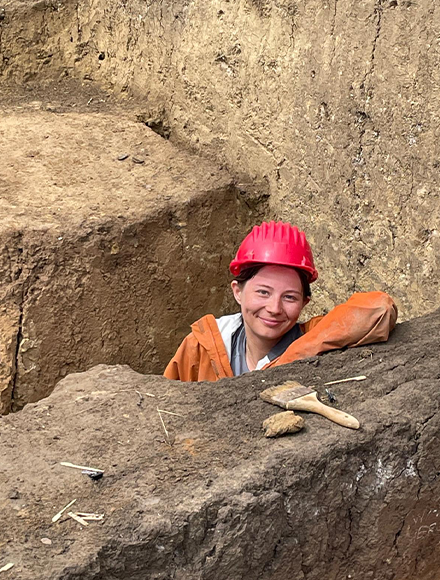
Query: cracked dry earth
[[215, 499]]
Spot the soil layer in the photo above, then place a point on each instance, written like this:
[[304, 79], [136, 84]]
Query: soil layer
[[211, 497], [105, 227], [333, 106]]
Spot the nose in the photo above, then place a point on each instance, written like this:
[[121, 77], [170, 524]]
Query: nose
[[274, 305]]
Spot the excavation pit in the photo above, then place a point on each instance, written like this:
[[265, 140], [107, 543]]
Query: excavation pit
[[106, 227], [106, 259]]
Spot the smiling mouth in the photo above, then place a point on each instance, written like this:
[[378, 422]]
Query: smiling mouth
[[271, 323]]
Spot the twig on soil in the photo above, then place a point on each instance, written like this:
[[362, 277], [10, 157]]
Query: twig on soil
[[138, 392], [169, 413], [6, 567], [147, 394], [163, 425], [359, 378], [96, 393], [90, 516], [141, 398], [60, 513], [87, 409], [78, 519], [67, 464]]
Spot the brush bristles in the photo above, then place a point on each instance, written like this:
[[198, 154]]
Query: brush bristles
[[282, 394]]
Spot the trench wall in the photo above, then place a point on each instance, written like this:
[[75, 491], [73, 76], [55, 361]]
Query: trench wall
[[116, 292], [102, 259], [330, 106]]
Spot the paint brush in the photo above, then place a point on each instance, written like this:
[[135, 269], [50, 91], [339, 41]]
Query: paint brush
[[295, 397]]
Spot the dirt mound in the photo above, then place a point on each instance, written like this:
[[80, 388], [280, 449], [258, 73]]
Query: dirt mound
[[211, 497]]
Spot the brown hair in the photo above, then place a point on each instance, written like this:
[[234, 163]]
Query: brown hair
[[248, 273]]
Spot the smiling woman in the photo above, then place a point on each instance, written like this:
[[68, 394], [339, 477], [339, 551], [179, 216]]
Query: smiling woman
[[273, 270], [271, 301]]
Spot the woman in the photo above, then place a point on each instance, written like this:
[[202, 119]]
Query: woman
[[273, 270]]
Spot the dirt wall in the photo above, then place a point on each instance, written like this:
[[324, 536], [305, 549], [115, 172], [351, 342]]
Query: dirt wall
[[112, 243], [333, 106]]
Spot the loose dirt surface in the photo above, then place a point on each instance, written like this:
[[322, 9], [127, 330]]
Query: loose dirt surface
[[75, 161], [213, 498], [61, 96]]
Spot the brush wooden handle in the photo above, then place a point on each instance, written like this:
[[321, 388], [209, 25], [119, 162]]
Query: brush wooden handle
[[310, 403]]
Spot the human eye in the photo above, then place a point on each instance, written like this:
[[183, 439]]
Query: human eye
[[291, 297], [262, 292]]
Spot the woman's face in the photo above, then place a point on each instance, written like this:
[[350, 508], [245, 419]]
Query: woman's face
[[271, 302]]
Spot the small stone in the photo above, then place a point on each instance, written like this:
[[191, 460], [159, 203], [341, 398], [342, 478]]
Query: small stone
[[123, 157], [46, 541], [14, 494], [282, 424], [138, 160]]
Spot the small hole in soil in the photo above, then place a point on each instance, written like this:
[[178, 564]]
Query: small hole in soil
[[155, 124], [160, 128]]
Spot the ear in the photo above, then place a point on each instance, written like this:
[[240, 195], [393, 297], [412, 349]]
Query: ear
[[236, 291]]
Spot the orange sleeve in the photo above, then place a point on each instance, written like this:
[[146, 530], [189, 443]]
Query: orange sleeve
[[193, 362], [365, 318], [184, 366]]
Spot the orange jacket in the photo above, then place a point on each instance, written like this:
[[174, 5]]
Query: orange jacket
[[363, 319]]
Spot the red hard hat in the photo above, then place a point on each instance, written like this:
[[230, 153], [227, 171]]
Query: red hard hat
[[275, 243]]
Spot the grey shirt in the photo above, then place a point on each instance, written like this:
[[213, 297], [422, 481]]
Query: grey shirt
[[238, 347]]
